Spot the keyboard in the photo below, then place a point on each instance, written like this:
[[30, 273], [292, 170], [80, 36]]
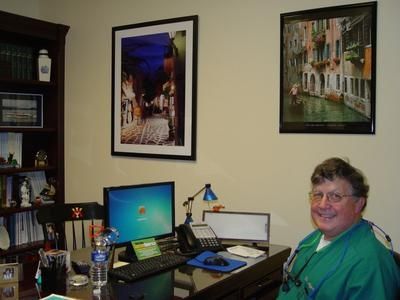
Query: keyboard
[[142, 268]]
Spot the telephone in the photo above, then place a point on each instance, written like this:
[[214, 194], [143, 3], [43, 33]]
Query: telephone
[[197, 237]]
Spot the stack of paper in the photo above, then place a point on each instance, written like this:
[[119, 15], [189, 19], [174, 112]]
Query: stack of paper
[[245, 251]]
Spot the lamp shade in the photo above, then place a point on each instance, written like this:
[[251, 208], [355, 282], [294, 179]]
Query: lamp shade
[[209, 194]]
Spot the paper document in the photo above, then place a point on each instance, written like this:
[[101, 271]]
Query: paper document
[[245, 251]]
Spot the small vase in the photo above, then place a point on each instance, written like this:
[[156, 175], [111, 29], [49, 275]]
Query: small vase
[[44, 65]]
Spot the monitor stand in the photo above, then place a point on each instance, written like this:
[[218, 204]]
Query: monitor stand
[[128, 255]]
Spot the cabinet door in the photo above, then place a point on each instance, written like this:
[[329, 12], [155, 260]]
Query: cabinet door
[[265, 288]]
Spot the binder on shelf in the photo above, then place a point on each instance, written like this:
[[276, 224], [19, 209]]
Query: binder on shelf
[[3, 191], [23, 228]]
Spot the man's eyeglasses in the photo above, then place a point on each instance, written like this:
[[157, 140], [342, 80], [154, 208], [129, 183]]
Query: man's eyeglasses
[[333, 197]]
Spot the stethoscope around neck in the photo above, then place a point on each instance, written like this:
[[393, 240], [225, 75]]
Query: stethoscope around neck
[[287, 275]]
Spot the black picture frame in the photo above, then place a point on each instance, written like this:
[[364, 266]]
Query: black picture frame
[[154, 89], [21, 110], [328, 60]]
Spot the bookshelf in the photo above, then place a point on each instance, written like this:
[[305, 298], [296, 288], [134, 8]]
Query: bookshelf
[[21, 38]]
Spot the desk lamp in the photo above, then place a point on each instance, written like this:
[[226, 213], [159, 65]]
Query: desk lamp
[[208, 196]]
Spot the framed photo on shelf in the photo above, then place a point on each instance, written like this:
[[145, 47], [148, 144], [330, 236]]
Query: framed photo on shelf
[[21, 110], [8, 273], [328, 67], [154, 89]]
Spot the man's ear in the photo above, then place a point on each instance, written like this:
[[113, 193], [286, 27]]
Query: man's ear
[[360, 203]]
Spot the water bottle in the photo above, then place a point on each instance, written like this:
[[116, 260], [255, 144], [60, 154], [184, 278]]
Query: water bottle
[[99, 267]]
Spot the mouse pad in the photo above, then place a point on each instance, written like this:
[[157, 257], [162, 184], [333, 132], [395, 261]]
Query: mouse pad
[[198, 262]]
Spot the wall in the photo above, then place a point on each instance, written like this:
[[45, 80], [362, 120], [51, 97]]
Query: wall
[[250, 165], [21, 7]]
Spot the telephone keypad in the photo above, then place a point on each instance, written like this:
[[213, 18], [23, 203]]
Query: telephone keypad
[[209, 242]]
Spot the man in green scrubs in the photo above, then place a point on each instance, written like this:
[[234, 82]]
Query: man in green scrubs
[[342, 259]]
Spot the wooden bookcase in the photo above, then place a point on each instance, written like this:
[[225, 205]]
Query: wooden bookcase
[[19, 75]]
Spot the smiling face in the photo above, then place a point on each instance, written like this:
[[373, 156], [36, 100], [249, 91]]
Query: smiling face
[[334, 218]]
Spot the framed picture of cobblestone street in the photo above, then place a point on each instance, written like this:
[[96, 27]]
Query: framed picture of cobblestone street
[[154, 74], [328, 67]]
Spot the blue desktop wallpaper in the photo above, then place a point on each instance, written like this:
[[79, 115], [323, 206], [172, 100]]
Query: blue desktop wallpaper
[[141, 212]]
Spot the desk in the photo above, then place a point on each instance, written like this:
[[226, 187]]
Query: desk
[[260, 279]]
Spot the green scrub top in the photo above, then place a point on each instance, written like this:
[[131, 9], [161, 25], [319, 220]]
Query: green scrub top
[[355, 265]]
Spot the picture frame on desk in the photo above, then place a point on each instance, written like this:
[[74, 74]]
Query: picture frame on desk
[[9, 291], [21, 110], [328, 67], [154, 87]]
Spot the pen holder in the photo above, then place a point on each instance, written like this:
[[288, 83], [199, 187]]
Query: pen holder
[[54, 279]]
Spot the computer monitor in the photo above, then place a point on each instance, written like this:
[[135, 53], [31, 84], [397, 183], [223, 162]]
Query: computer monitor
[[139, 212]]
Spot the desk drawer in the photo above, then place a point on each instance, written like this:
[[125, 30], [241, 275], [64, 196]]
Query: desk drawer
[[267, 284]]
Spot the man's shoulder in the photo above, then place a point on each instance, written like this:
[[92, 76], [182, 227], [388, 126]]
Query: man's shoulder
[[368, 251]]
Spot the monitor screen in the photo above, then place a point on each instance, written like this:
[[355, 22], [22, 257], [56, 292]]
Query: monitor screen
[[140, 211]]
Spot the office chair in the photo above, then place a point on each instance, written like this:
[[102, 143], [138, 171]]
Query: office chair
[[396, 256], [53, 219]]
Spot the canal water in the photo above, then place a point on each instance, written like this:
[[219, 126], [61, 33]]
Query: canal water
[[315, 109]]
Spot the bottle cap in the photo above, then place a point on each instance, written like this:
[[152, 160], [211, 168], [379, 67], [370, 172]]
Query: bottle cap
[[43, 52], [110, 235]]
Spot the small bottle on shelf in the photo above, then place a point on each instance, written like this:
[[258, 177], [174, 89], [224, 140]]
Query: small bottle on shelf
[[44, 65]]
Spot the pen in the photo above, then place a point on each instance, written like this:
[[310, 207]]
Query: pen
[[56, 240], [43, 258], [38, 272]]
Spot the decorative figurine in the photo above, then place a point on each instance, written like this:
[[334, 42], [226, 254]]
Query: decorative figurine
[[10, 157], [49, 191], [25, 192]]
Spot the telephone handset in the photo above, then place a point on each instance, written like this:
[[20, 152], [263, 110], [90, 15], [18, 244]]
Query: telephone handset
[[197, 237]]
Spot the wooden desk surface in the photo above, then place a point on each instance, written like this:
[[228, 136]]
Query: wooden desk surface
[[184, 282]]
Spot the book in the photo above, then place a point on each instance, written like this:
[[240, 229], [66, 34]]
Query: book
[[3, 186]]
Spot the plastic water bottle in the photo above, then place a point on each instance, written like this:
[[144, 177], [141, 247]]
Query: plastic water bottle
[[99, 267]]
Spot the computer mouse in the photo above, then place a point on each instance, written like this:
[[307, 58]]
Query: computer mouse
[[216, 260]]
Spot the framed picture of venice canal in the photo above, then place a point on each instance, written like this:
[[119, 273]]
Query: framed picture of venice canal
[[328, 66]]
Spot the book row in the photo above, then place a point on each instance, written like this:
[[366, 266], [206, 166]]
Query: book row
[[23, 228], [16, 62]]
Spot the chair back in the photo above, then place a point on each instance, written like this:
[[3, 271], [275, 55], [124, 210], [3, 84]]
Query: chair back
[[53, 219], [396, 256]]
